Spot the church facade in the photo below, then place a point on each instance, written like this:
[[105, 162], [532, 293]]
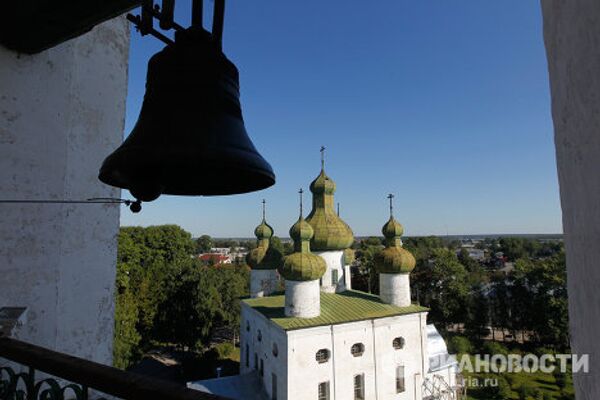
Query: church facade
[[321, 340]]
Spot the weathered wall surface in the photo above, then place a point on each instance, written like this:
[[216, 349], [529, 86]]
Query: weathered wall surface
[[61, 112], [263, 282], [271, 349], [395, 289], [378, 362], [572, 37], [335, 262], [302, 299]]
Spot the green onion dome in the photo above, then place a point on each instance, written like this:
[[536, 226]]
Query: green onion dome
[[394, 259], [349, 256], [263, 231], [322, 184], [302, 265], [264, 256], [392, 229], [301, 231], [331, 233]]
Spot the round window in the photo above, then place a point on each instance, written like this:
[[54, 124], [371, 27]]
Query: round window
[[357, 349], [398, 343], [322, 356]]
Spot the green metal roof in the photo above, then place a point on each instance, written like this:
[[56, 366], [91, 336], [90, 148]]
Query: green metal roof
[[336, 308]]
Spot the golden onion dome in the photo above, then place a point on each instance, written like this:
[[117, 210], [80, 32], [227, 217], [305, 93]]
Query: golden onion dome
[[330, 231], [393, 259], [301, 231], [264, 258], [263, 231], [302, 265], [392, 229]]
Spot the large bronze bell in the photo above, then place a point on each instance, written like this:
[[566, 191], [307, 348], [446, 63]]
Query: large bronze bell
[[190, 137]]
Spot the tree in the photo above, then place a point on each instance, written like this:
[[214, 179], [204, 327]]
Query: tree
[[499, 391], [189, 315], [204, 243], [447, 288], [477, 318]]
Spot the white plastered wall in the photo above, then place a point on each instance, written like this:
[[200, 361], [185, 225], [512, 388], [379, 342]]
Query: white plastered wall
[[251, 323], [395, 289], [378, 363], [263, 282], [334, 261], [302, 299], [61, 112], [571, 35]]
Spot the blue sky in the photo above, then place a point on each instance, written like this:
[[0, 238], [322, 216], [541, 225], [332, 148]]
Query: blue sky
[[445, 104]]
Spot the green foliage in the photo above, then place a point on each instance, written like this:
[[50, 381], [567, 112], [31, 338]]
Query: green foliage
[[367, 278], [444, 287], [492, 348], [164, 296], [496, 389], [460, 345], [372, 241], [127, 337], [525, 391], [560, 379], [225, 350], [203, 244]]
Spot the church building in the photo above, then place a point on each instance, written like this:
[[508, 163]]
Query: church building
[[321, 340]]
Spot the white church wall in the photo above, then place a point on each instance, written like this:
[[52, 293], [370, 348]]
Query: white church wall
[[346, 365], [304, 372], [378, 363], [334, 261], [251, 323], [263, 282], [61, 112], [412, 356]]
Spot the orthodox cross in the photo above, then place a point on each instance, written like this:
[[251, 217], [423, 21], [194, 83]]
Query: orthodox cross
[[322, 157], [300, 192], [391, 197], [263, 208]]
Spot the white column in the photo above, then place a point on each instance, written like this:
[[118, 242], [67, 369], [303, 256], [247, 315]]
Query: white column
[[395, 289], [302, 299], [347, 278]]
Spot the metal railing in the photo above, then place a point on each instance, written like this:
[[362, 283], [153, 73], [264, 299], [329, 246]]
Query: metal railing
[[86, 376]]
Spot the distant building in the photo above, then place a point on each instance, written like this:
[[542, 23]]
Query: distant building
[[214, 258], [322, 340], [220, 250], [476, 254]]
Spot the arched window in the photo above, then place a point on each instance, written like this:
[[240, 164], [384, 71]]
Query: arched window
[[259, 336], [247, 326], [275, 349], [398, 343], [357, 349], [322, 356]]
